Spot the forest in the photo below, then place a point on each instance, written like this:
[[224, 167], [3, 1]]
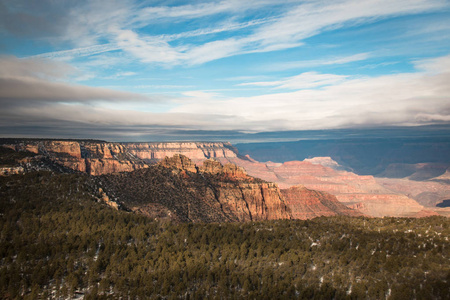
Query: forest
[[59, 240]]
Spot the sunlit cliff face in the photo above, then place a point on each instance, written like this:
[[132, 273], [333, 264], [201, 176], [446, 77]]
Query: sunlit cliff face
[[97, 158]]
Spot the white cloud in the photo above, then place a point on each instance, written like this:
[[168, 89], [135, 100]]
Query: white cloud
[[192, 11], [148, 51], [66, 55], [336, 60], [121, 74], [119, 23], [306, 20], [434, 65], [400, 99], [313, 17], [303, 81]]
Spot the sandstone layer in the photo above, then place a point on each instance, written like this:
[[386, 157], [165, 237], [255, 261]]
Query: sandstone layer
[[307, 204], [358, 192], [96, 157], [178, 190], [364, 193], [196, 151]]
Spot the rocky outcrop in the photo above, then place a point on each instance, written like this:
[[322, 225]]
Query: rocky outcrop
[[179, 162], [196, 151], [384, 205], [307, 204], [105, 198], [66, 153], [444, 177], [230, 170], [252, 201], [94, 158], [176, 189], [246, 197], [6, 171], [326, 162]]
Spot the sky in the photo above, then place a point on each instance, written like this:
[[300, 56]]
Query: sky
[[141, 70]]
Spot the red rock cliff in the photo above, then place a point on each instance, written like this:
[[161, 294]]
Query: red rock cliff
[[239, 196], [307, 204], [95, 158], [98, 158], [355, 191], [196, 151]]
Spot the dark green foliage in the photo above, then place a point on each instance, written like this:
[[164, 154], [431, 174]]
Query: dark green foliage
[[57, 241]]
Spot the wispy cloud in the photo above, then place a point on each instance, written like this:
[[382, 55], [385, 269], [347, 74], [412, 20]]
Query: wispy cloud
[[336, 60], [290, 29], [434, 65], [67, 55], [199, 10], [303, 81], [283, 31], [121, 75], [79, 52]]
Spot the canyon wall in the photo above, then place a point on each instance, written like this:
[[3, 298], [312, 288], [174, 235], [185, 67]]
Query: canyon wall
[[196, 151], [96, 157], [178, 190], [363, 193], [308, 204], [246, 197]]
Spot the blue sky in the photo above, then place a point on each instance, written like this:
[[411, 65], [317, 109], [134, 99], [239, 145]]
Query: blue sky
[[127, 70]]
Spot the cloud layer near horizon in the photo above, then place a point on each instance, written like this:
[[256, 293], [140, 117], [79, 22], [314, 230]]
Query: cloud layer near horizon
[[342, 101]]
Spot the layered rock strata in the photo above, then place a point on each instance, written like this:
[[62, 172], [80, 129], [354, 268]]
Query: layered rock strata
[[196, 151], [358, 192], [428, 193], [96, 157], [178, 190], [308, 204]]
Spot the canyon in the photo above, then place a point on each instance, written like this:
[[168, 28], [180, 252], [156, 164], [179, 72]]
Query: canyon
[[313, 187], [177, 189], [355, 191], [99, 157]]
